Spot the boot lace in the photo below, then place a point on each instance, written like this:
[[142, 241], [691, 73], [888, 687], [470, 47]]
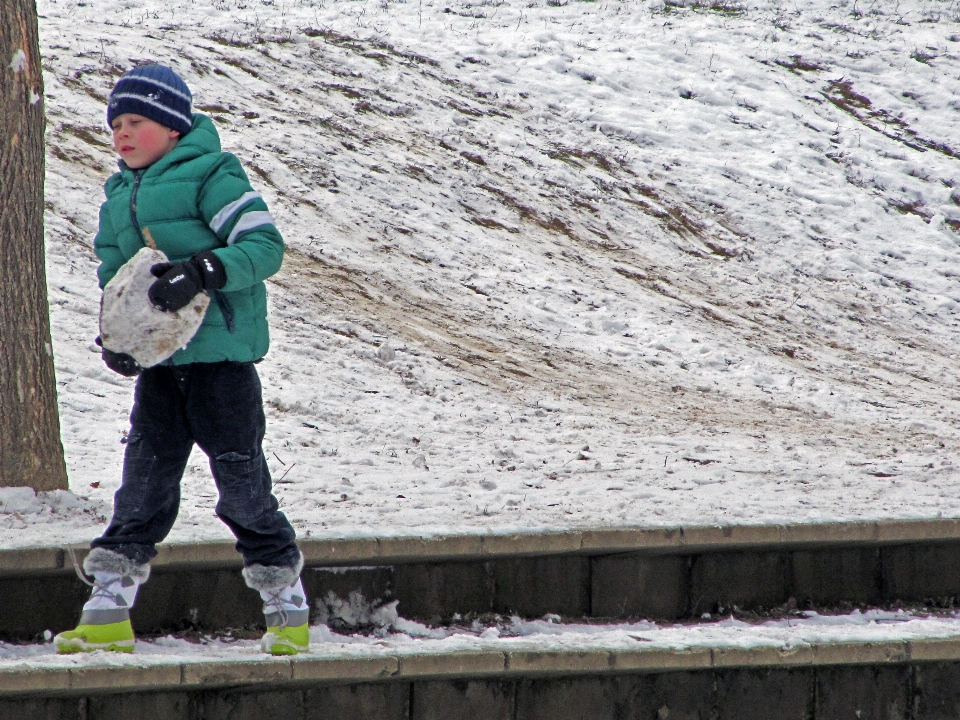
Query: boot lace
[[100, 589], [277, 601]]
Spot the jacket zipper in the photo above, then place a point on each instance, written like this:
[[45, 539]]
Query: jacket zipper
[[138, 176], [225, 308]]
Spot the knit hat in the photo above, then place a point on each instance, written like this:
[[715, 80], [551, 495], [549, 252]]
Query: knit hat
[[155, 92]]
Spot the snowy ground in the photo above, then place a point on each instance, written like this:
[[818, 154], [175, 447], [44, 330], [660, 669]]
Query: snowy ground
[[545, 635], [552, 264]]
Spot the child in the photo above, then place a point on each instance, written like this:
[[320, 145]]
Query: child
[[177, 189]]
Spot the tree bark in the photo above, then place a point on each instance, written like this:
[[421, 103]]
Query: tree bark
[[30, 449]]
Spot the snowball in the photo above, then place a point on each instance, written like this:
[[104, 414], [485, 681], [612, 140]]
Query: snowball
[[129, 323]]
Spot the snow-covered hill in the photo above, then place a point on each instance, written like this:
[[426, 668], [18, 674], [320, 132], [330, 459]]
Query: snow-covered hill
[[553, 264]]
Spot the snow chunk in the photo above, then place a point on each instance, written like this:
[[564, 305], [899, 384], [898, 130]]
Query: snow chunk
[[355, 611], [26, 500], [18, 500], [386, 353], [129, 323]]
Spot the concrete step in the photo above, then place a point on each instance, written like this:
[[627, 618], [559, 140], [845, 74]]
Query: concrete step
[[657, 573], [916, 679]]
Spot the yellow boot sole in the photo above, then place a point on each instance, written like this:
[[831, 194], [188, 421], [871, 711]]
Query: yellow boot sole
[[114, 637], [286, 641]]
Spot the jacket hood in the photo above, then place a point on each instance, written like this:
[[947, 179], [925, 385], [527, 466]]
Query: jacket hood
[[203, 138]]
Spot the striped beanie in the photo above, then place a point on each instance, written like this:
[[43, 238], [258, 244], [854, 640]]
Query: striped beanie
[[155, 92]]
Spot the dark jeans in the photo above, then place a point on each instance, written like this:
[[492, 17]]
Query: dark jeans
[[219, 407]]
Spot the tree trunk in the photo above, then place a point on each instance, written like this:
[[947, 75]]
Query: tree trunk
[[30, 449]]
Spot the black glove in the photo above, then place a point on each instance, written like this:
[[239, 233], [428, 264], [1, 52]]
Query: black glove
[[179, 283], [119, 362]]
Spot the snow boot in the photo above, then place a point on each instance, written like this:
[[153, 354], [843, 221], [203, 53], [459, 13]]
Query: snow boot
[[105, 621], [284, 607]]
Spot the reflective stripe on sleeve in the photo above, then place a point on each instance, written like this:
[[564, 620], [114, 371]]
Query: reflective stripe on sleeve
[[220, 219], [249, 221]]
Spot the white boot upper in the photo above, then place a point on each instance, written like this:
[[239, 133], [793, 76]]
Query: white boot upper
[[286, 606], [116, 579], [284, 600], [112, 592]]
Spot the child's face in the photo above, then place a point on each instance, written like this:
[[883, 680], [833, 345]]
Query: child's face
[[141, 141]]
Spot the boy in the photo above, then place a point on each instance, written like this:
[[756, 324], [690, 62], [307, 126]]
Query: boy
[[177, 189]]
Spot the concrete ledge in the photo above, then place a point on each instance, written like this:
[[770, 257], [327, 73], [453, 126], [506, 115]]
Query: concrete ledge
[[30, 560], [355, 551], [309, 669], [934, 649], [124, 677], [583, 662], [390, 550], [19, 680], [655, 660], [110, 678], [231, 674], [773, 657], [458, 664]]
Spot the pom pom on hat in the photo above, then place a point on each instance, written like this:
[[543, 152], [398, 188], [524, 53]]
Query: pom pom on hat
[[155, 92]]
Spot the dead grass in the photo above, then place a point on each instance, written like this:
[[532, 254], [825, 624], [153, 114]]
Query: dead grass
[[724, 7], [345, 90], [551, 223], [842, 95], [335, 38], [572, 155], [418, 173], [915, 207], [89, 134], [473, 157], [796, 64], [75, 157], [674, 218], [493, 224], [78, 84], [241, 65]]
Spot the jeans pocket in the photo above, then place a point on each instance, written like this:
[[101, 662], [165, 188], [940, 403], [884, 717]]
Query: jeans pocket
[[244, 494]]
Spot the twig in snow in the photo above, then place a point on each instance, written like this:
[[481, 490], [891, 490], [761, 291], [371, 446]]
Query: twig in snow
[[797, 298]]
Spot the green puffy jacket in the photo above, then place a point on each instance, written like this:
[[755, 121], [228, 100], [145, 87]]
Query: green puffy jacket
[[198, 198]]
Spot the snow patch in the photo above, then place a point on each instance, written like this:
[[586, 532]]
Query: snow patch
[[26, 501], [19, 62]]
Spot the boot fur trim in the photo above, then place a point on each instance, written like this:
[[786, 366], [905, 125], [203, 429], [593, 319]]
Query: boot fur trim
[[264, 578], [103, 560]]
